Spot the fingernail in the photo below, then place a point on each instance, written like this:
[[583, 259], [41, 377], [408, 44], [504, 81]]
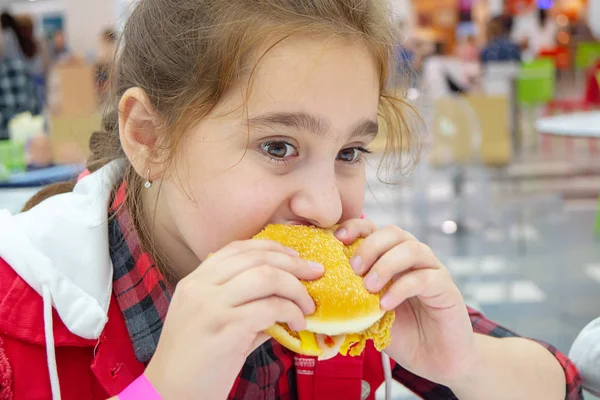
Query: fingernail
[[316, 266], [386, 302], [341, 233], [292, 252], [371, 281], [356, 263], [297, 326]]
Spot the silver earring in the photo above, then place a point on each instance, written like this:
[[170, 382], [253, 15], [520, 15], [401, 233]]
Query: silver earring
[[148, 183]]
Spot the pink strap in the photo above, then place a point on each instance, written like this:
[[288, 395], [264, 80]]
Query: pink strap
[[83, 175], [140, 389]]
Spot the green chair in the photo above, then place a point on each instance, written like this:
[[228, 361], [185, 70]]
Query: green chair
[[597, 224], [536, 82], [586, 54], [12, 158]]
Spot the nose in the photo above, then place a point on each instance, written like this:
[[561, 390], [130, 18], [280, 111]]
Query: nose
[[318, 200]]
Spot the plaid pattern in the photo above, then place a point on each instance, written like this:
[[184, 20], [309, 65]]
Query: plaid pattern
[[17, 93], [269, 373], [500, 50], [141, 291], [433, 391]]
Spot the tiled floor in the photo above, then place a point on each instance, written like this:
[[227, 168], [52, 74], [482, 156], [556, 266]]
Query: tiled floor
[[530, 261]]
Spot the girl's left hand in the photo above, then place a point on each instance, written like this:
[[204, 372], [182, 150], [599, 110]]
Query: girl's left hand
[[432, 335]]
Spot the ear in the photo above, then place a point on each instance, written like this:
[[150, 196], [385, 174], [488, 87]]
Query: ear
[[138, 133]]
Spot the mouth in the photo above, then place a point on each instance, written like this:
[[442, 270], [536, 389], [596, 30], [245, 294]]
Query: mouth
[[301, 223]]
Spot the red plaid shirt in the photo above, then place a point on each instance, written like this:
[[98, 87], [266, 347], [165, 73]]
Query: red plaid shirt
[[270, 372]]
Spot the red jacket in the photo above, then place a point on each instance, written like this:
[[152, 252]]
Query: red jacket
[[87, 369], [101, 369]]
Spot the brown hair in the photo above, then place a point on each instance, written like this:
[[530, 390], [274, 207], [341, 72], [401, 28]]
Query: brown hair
[[109, 35], [186, 55], [22, 26]]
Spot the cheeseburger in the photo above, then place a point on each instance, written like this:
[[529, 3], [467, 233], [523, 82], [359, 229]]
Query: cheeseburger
[[346, 315]]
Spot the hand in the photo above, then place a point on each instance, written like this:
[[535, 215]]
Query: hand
[[432, 335], [219, 312]]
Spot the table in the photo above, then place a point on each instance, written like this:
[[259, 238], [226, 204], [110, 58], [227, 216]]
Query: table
[[13, 200], [42, 177], [580, 125]]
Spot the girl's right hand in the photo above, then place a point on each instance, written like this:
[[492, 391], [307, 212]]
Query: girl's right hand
[[219, 312]]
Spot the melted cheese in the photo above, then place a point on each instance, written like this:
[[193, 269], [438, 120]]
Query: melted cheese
[[350, 341], [308, 341], [351, 344]]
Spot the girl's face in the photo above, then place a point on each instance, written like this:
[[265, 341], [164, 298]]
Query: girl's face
[[296, 157]]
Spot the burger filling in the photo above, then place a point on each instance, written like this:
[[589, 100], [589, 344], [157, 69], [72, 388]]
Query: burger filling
[[352, 343]]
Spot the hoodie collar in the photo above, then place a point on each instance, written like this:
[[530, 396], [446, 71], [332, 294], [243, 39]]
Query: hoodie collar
[[61, 246]]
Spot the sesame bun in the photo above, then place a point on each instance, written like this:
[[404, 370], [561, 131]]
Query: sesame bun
[[346, 313]]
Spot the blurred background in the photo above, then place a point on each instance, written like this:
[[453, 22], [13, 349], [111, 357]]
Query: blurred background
[[506, 191]]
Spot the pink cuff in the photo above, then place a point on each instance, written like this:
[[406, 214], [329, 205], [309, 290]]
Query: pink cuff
[[140, 389]]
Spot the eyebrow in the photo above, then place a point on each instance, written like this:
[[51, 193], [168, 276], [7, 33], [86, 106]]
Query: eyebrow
[[307, 122]]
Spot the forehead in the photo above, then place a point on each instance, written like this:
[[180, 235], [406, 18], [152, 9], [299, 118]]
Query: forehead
[[336, 79]]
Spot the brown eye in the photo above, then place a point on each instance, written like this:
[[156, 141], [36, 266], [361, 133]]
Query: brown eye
[[279, 149], [349, 155]]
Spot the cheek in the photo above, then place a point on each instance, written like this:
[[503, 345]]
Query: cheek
[[353, 199], [239, 208]]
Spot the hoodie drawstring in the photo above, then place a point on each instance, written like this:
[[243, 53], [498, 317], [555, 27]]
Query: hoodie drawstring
[[387, 374], [49, 335]]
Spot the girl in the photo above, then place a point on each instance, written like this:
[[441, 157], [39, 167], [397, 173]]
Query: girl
[[230, 115]]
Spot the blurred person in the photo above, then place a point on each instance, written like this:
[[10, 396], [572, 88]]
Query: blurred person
[[24, 46], [228, 116], [444, 75], [17, 89], [467, 53], [500, 47], [16, 45], [536, 32], [37, 56], [59, 51], [107, 48], [591, 12], [585, 353], [467, 49]]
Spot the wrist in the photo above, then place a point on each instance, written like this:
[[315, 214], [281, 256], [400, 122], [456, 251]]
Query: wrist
[[473, 366]]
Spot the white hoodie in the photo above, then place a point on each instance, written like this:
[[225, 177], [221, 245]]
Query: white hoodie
[[60, 248]]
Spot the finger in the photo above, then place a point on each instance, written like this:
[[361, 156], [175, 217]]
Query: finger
[[376, 245], [261, 338], [235, 265], [260, 315], [401, 258], [433, 287], [353, 229], [243, 246], [266, 281]]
